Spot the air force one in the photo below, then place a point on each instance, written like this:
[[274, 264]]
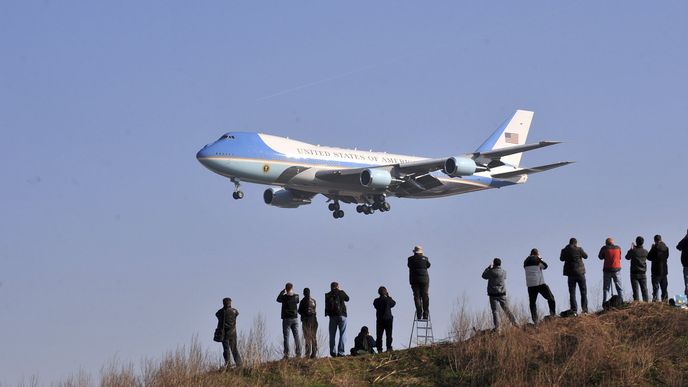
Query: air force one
[[300, 171]]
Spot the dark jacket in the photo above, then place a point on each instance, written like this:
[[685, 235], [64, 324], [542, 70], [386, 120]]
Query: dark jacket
[[496, 281], [683, 246], [307, 308], [290, 304], [383, 307], [611, 254], [418, 265], [226, 319], [363, 343], [335, 303], [638, 257], [573, 257], [658, 255]]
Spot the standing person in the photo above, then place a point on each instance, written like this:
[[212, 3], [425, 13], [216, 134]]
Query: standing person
[[335, 308], [384, 319], [658, 255], [638, 256], [290, 321], [309, 323], [683, 247], [226, 327], [496, 290], [572, 255], [418, 265], [611, 254], [535, 280]]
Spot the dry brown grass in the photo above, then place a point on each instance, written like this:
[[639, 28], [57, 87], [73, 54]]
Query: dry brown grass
[[641, 344]]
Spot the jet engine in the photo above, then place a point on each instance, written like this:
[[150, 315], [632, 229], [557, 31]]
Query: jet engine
[[376, 178], [459, 166], [283, 198]]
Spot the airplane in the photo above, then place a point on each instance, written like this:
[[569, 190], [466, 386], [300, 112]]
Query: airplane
[[299, 171]]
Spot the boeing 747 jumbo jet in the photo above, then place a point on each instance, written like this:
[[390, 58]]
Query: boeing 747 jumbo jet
[[300, 171]]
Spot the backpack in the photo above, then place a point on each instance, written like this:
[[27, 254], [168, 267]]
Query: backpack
[[310, 310], [333, 305], [568, 313], [614, 302]]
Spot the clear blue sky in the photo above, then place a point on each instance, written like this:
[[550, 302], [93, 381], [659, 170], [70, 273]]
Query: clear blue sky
[[115, 241]]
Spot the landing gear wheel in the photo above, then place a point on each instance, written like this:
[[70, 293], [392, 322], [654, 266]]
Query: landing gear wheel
[[238, 195], [367, 210], [385, 207], [359, 208], [376, 206], [379, 198], [340, 213], [335, 215], [333, 206]]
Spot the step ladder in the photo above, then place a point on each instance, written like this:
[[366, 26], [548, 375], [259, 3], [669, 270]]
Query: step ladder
[[422, 329]]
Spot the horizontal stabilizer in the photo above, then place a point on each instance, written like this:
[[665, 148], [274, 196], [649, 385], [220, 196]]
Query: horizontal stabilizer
[[528, 171], [499, 153]]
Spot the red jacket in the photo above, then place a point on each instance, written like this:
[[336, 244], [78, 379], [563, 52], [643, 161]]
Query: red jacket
[[612, 257]]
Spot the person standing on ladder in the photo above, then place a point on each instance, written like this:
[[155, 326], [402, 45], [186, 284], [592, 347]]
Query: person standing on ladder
[[418, 265]]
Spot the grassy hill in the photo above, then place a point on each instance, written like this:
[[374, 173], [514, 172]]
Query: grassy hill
[[638, 344]]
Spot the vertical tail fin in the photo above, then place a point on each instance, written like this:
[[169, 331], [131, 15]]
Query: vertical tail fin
[[513, 131]]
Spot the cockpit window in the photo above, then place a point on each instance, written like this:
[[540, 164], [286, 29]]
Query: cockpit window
[[226, 137]]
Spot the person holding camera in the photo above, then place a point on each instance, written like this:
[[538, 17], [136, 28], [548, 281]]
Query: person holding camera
[[573, 255], [496, 290], [611, 254], [290, 320], [535, 280], [384, 319], [638, 257]]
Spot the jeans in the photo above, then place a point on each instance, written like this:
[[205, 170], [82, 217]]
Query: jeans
[[310, 335], [291, 324], [580, 281], [230, 344], [337, 322], [500, 300], [685, 280], [658, 282], [607, 278], [422, 300], [384, 326], [544, 290], [637, 281]]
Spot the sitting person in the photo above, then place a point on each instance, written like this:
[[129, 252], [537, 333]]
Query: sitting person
[[363, 343]]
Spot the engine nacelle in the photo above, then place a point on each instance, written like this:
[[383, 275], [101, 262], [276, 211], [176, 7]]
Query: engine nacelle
[[283, 198], [376, 178], [459, 166]]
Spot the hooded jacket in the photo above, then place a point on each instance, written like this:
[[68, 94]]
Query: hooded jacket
[[534, 265], [573, 257], [658, 255], [638, 258], [496, 281], [611, 254], [418, 265]]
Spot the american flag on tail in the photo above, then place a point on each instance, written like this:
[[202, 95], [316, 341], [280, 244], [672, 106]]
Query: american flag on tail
[[511, 138]]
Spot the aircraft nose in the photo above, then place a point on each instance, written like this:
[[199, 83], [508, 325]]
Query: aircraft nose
[[203, 153]]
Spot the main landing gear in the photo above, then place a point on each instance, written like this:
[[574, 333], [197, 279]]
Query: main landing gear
[[337, 212], [238, 193], [379, 204]]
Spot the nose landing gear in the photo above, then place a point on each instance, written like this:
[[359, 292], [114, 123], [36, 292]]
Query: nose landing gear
[[237, 194]]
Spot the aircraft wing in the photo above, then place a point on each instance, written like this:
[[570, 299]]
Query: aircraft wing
[[420, 167]]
